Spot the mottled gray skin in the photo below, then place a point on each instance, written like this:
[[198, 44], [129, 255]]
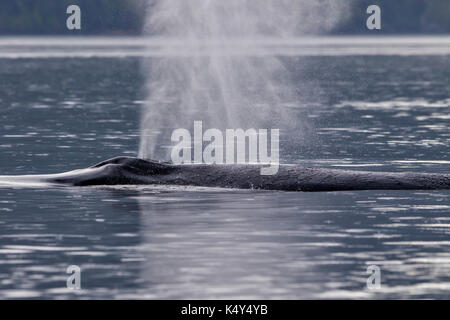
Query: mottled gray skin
[[126, 170]]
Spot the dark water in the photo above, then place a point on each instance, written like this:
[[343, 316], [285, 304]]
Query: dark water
[[372, 112]]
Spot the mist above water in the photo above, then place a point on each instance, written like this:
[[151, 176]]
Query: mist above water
[[212, 71]]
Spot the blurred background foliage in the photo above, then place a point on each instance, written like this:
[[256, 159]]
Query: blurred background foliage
[[49, 16], [401, 16], [127, 16]]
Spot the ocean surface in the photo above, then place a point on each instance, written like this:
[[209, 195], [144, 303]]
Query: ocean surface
[[379, 104]]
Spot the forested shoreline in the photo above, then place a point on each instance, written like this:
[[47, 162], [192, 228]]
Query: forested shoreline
[[127, 16]]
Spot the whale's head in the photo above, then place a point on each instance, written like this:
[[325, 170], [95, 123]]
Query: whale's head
[[136, 165]]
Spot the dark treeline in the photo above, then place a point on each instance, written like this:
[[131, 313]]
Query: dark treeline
[[402, 16], [127, 16], [49, 16]]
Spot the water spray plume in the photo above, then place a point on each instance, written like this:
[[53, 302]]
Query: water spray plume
[[211, 70]]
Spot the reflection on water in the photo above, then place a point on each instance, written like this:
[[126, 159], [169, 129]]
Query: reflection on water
[[371, 112], [200, 243]]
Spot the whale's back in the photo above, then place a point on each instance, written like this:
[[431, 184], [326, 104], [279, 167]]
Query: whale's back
[[135, 171]]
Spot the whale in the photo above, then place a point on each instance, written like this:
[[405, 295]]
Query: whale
[[136, 171]]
